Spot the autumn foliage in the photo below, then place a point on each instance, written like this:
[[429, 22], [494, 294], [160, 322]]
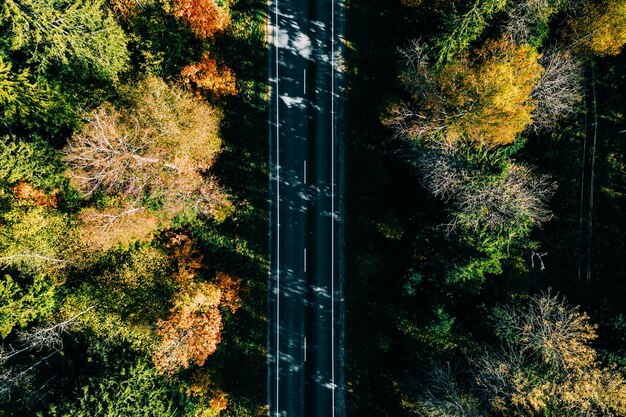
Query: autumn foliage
[[192, 331], [116, 224], [484, 99], [230, 288], [545, 366], [25, 191], [209, 77], [601, 28], [212, 399], [155, 150], [204, 17], [548, 363], [185, 255]]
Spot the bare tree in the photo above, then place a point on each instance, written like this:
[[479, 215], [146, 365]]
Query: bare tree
[[116, 155], [496, 374], [559, 89], [443, 397], [419, 80], [517, 196], [443, 173], [526, 14], [48, 336], [548, 326]]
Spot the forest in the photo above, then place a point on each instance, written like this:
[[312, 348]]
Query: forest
[[485, 208], [486, 192], [132, 208]]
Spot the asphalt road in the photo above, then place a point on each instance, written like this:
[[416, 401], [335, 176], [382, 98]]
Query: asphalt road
[[305, 337]]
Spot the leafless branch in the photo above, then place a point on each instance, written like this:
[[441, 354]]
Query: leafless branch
[[559, 89], [48, 336]]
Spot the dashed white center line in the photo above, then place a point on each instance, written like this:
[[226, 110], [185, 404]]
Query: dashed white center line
[[304, 259], [305, 172], [305, 348], [304, 82]]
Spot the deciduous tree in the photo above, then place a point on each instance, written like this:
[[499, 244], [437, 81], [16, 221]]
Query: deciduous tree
[[155, 151], [601, 27], [558, 91], [547, 364], [544, 365], [192, 331], [33, 238], [484, 99], [204, 17], [207, 77]]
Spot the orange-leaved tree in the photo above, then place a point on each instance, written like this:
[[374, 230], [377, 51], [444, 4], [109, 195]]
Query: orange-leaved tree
[[207, 77], [192, 331], [204, 17]]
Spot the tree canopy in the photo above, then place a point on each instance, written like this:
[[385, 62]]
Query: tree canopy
[[64, 32]]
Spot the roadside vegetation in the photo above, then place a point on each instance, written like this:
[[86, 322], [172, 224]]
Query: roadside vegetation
[[132, 208], [485, 208]]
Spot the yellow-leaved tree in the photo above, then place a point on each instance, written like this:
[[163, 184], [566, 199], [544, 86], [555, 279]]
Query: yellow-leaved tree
[[545, 365], [154, 151], [601, 28], [484, 99]]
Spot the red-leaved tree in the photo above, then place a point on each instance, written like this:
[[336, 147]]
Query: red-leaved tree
[[204, 17]]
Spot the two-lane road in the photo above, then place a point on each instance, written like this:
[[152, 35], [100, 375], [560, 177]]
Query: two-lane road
[[305, 342]]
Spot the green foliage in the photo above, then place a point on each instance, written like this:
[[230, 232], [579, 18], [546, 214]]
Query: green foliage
[[106, 326], [131, 288], [159, 44], [33, 162], [466, 28], [33, 239], [133, 391], [135, 283], [33, 234], [437, 335], [81, 34], [29, 104], [59, 60], [22, 303]]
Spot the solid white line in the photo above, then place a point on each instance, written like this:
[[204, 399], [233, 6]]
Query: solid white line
[[277, 219], [304, 82], [304, 259], [332, 182], [305, 172]]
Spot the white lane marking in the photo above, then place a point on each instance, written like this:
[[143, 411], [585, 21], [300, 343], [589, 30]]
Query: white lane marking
[[332, 182], [304, 259], [304, 172], [277, 46], [304, 82], [305, 348]]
